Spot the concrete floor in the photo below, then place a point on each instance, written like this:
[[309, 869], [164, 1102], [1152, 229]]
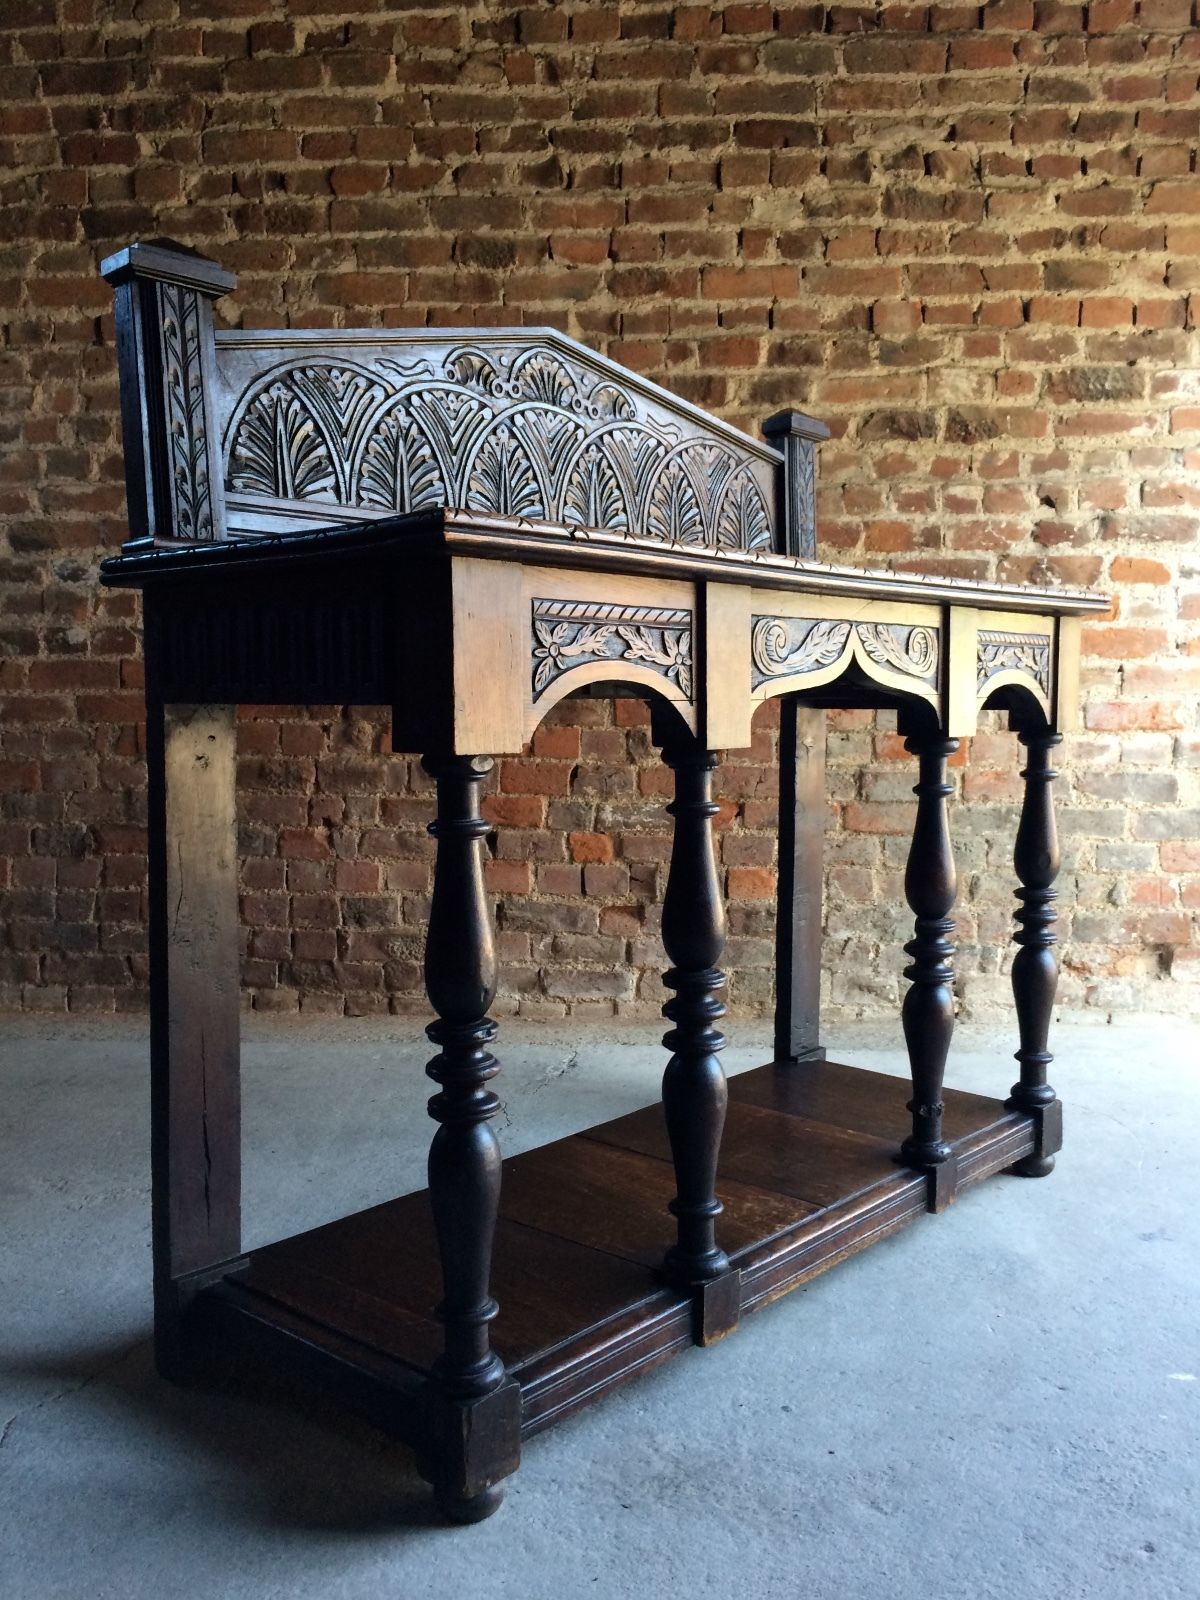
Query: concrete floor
[[1001, 1401]]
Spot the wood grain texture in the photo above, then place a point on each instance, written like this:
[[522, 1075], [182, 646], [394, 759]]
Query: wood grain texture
[[194, 1004], [768, 1151], [490, 657], [853, 1098], [799, 927], [1068, 648], [725, 665], [617, 1200]]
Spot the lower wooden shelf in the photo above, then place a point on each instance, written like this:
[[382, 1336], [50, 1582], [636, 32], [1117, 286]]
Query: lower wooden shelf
[[808, 1176]]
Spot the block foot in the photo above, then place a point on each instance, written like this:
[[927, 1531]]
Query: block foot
[[1035, 1166], [465, 1508]]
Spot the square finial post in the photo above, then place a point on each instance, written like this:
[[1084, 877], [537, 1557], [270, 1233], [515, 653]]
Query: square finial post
[[797, 436], [166, 355]]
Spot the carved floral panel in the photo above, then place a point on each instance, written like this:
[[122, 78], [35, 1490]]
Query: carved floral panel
[[528, 432], [792, 646], [575, 633], [1026, 653]]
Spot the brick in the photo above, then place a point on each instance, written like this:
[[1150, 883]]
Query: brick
[[509, 877], [893, 55], [1117, 716], [1177, 199], [1173, 824], [561, 744], [591, 847], [1107, 311], [560, 878], [743, 283], [605, 881], [535, 777], [1138, 569], [750, 883], [515, 810]]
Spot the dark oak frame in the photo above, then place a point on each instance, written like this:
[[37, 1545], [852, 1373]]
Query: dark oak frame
[[471, 624]]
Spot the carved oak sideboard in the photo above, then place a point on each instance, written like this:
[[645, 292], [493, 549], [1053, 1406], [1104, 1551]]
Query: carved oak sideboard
[[469, 526]]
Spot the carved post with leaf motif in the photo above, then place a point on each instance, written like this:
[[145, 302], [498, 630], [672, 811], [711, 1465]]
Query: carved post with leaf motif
[[797, 437], [173, 474]]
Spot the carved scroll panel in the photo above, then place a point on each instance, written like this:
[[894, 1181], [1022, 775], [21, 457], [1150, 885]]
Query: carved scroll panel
[[520, 429], [795, 647]]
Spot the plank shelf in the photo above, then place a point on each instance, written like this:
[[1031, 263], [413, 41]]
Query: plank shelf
[[808, 1176]]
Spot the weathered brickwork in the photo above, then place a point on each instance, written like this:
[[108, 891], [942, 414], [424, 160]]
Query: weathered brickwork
[[968, 237]]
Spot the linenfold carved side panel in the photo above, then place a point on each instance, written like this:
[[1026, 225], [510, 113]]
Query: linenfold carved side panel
[[576, 633], [790, 647], [515, 428]]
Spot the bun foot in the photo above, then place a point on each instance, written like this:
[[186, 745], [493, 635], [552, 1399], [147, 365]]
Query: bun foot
[[471, 1507], [1033, 1167]]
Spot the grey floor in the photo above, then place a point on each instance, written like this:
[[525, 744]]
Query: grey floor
[[1004, 1400]]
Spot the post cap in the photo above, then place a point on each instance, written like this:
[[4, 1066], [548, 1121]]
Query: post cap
[[172, 262], [794, 423]]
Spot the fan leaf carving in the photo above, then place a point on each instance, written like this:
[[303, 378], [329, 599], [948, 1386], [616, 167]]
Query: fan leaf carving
[[527, 431]]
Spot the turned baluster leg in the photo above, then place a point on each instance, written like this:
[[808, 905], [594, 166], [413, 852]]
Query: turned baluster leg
[[928, 1013], [465, 1455], [1035, 968], [694, 1090]]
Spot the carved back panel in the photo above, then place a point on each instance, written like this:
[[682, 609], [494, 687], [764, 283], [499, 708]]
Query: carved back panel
[[262, 432], [516, 422]]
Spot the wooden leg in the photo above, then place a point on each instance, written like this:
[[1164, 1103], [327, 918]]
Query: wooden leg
[[694, 1090], [1035, 969], [195, 1089], [801, 881], [928, 1014], [474, 1434]]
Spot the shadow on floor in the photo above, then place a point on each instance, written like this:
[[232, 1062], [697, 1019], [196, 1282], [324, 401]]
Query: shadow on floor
[[280, 1455]]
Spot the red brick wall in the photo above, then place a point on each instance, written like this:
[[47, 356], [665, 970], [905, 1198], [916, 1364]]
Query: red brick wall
[[969, 237]]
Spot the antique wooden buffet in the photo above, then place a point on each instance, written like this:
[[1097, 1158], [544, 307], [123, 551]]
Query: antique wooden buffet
[[468, 526]]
